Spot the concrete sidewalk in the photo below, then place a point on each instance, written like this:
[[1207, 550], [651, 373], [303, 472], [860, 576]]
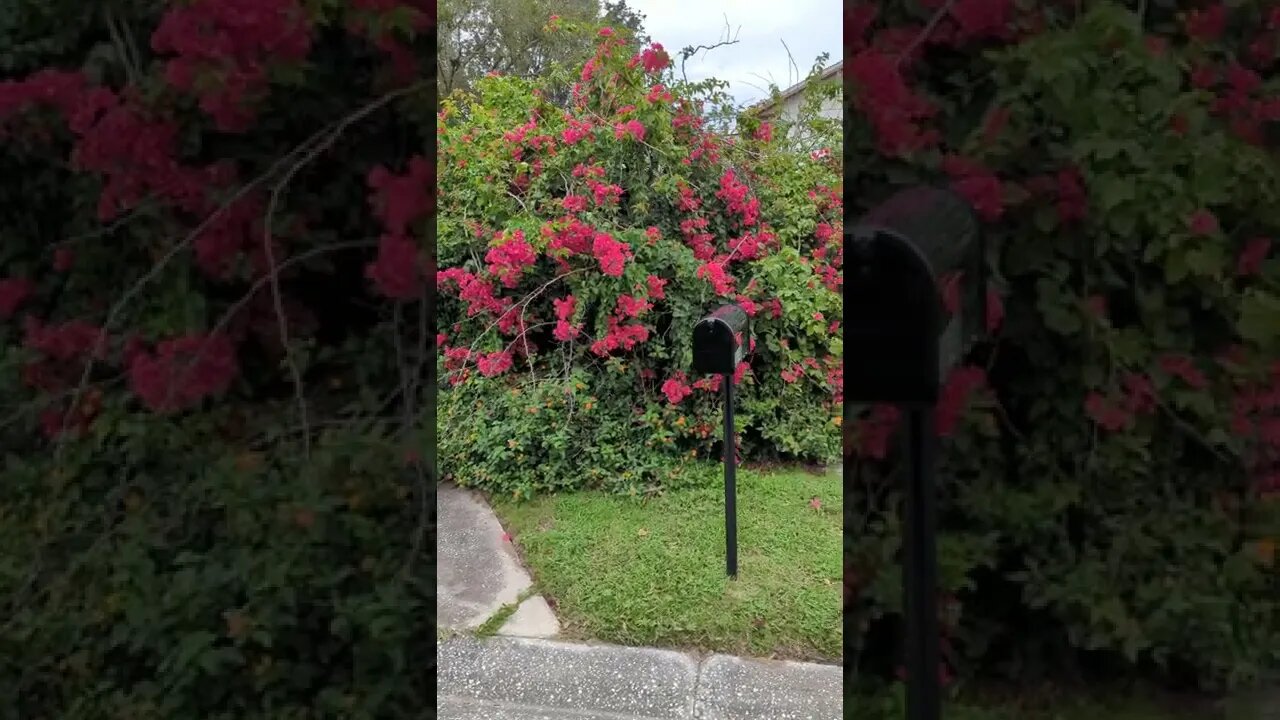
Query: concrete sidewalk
[[534, 679], [478, 572], [521, 674]]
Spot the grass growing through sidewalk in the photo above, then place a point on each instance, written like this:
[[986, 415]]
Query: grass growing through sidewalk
[[651, 571], [498, 619]]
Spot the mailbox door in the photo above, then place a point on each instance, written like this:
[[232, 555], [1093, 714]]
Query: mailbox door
[[713, 346], [892, 321]]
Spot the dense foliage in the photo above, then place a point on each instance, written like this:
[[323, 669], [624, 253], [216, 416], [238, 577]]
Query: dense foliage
[[213, 347], [1110, 485], [577, 248]]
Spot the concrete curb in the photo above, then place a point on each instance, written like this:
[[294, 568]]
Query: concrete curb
[[535, 679]]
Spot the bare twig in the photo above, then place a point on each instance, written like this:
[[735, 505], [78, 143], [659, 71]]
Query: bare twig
[[276, 297], [688, 52], [409, 408], [940, 13], [791, 60], [132, 73], [129, 217]]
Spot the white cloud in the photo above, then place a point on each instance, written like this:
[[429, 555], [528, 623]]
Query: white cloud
[[808, 27]]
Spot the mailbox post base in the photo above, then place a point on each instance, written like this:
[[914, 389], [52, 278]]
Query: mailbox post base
[[920, 571]]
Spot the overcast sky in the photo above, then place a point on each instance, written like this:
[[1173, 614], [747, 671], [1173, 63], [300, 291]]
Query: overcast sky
[[808, 27]]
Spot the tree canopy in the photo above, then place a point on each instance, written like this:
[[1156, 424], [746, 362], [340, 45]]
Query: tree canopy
[[509, 36]]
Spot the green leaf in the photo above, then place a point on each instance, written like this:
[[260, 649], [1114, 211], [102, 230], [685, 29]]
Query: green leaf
[[1175, 266], [1207, 260], [1259, 320]]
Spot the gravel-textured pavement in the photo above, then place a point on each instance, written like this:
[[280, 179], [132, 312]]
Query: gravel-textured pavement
[[533, 679]]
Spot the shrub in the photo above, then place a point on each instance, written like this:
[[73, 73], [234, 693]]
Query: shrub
[[1109, 465], [211, 490], [578, 247]]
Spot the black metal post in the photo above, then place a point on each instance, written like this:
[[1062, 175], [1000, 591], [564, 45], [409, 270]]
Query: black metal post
[[920, 573], [730, 484]]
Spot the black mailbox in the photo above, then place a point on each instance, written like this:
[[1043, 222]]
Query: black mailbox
[[895, 256], [719, 343], [720, 340]]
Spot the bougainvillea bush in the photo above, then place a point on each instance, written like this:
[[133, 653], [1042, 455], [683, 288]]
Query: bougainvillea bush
[[579, 245], [1109, 481], [213, 353]]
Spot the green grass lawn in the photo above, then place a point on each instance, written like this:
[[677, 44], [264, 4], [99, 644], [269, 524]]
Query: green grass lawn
[[651, 571]]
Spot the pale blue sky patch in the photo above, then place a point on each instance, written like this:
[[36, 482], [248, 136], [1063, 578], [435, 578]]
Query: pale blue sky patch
[[808, 27]]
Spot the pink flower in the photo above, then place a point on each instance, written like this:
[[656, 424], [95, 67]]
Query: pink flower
[[1203, 77], [1141, 396], [401, 199], [1207, 24], [1183, 367], [494, 363], [63, 259], [509, 260], [676, 388], [894, 110], [960, 384], [1071, 195], [395, 272], [655, 286], [984, 193], [574, 203], [995, 310], [632, 128], [1252, 256], [604, 193], [714, 273], [612, 254], [1105, 413], [182, 372], [655, 59], [982, 18], [565, 330], [13, 292], [1203, 222], [876, 431], [630, 307], [67, 341]]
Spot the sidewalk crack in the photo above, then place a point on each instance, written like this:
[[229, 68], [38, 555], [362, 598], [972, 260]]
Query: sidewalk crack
[[697, 685]]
